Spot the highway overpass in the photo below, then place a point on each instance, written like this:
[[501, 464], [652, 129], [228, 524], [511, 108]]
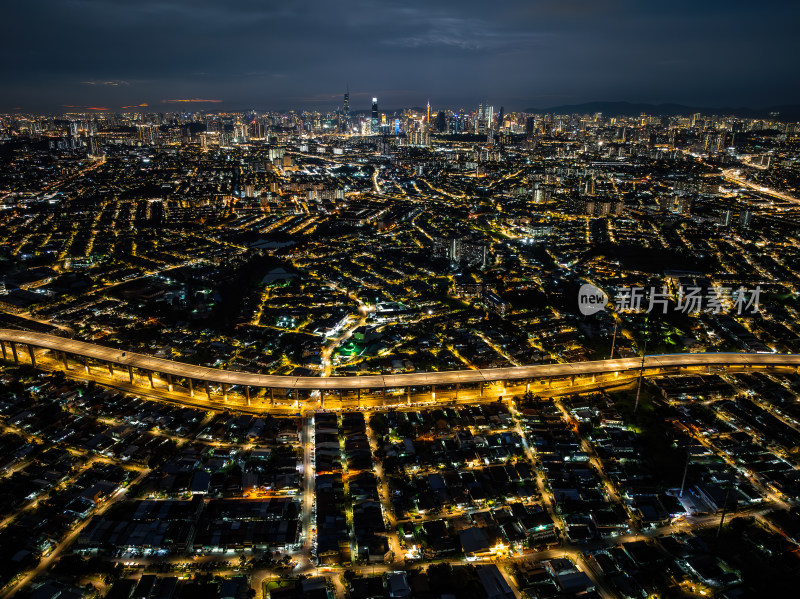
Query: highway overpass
[[22, 346]]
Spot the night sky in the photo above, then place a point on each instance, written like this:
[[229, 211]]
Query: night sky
[[301, 54]]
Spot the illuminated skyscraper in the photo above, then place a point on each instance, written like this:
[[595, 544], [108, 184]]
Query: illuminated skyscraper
[[428, 118], [346, 111], [375, 120], [484, 118], [95, 147], [240, 133], [257, 129], [148, 134], [500, 117]]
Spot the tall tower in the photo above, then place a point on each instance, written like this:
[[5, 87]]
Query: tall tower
[[346, 111], [428, 119], [376, 123]]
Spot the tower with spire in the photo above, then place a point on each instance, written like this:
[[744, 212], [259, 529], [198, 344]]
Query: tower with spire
[[346, 111], [428, 118]]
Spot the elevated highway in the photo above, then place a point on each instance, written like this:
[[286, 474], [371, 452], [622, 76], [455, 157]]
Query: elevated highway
[[28, 347]]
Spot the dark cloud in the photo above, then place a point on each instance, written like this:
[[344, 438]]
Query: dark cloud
[[301, 54]]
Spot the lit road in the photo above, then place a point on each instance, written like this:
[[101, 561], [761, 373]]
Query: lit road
[[308, 520], [732, 175], [417, 379]]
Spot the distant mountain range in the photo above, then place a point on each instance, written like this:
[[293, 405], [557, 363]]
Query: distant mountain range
[[787, 112]]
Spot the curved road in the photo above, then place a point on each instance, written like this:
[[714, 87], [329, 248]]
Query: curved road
[[538, 371]]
